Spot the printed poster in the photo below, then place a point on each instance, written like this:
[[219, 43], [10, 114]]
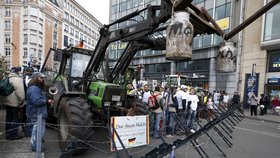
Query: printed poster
[[132, 130]]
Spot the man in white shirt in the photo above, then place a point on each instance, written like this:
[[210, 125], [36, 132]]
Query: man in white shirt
[[226, 99], [191, 112], [181, 96], [146, 94]]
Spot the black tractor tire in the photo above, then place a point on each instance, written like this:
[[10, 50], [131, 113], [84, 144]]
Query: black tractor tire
[[141, 109], [75, 125]]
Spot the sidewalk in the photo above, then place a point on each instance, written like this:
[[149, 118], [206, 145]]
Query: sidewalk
[[269, 117], [13, 148]]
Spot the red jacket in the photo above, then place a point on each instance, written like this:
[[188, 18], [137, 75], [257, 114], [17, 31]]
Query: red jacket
[[275, 102]]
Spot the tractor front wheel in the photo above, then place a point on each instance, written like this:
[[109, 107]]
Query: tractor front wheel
[[75, 124]]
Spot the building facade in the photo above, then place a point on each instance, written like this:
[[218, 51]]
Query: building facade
[[201, 70], [79, 24], [258, 44], [261, 47], [29, 28], [26, 25]]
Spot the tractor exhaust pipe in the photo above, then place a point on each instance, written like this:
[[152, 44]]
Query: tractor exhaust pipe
[[53, 90]]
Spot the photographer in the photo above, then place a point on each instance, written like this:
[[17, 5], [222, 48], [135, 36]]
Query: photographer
[[253, 104]]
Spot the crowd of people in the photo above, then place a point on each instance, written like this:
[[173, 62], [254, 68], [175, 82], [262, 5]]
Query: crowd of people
[[25, 103], [184, 103]]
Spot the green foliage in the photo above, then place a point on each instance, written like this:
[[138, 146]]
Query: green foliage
[[3, 66]]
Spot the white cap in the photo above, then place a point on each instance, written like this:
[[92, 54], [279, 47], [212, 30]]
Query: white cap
[[183, 86]]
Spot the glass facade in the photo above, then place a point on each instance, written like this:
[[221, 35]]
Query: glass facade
[[217, 9], [156, 67], [272, 24]]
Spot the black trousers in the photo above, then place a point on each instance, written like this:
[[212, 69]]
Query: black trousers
[[253, 109], [12, 121]]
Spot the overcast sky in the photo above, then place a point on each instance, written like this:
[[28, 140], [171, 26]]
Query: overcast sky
[[98, 8]]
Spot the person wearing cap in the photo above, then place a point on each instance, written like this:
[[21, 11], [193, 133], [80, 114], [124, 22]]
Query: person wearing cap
[[12, 103], [36, 104], [26, 77]]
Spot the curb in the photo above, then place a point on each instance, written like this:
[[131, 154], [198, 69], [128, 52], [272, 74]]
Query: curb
[[262, 119]]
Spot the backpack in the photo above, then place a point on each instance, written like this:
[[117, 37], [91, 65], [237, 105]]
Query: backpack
[[5, 87], [152, 102]]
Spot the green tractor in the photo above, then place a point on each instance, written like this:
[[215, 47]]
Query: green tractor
[[81, 101], [85, 94]]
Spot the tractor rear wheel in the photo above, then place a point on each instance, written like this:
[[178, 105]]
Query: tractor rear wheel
[[75, 124], [141, 109]]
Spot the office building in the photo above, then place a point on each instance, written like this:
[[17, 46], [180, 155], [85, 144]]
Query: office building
[[29, 28]]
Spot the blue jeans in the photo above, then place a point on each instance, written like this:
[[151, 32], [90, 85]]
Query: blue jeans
[[34, 133], [190, 116], [171, 123], [12, 121], [155, 120]]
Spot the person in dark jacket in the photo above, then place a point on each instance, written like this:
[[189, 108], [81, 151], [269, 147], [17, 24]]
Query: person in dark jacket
[[26, 79], [236, 101], [261, 102], [13, 102], [36, 104]]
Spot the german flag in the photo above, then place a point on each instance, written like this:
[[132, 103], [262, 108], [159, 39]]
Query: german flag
[[131, 141]]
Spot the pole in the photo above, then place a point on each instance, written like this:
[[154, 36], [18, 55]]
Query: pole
[[39, 137]]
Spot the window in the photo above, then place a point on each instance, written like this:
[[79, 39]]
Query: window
[[197, 42], [66, 16], [71, 42], [77, 23], [40, 14], [123, 6], [41, 4], [55, 24], [135, 3], [25, 24], [7, 24], [33, 11], [32, 52], [7, 38], [7, 11], [33, 39], [33, 25], [81, 26], [40, 54], [207, 40], [54, 35], [193, 65], [86, 29], [85, 39], [114, 9], [77, 34], [65, 41], [25, 52], [8, 1], [223, 11], [25, 38], [66, 28], [54, 45], [274, 62], [41, 27], [81, 36], [272, 23], [72, 19], [25, 10], [71, 31], [7, 51], [40, 41]]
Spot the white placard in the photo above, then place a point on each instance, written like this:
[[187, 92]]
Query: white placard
[[132, 130]]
